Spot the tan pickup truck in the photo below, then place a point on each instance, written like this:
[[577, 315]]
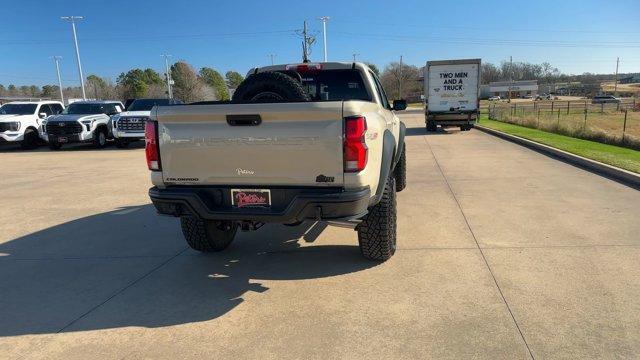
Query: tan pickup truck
[[297, 142]]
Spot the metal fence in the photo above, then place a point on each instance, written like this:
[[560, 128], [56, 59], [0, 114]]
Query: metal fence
[[612, 123]]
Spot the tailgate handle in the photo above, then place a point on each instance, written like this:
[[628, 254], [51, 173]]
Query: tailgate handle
[[244, 120]]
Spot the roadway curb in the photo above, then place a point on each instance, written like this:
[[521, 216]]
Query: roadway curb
[[614, 173]]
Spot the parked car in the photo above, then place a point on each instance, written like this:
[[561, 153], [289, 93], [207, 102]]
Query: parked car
[[82, 121], [604, 99], [128, 126], [543, 96], [21, 121], [527, 96], [299, 141], [494, 98]]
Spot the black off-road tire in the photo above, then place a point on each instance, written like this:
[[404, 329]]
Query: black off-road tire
[[377, 231], [30, 140], [269, 87], [98, 141], [207, 235], [54, 145], [122, 143], [431, 126], [400, 172]]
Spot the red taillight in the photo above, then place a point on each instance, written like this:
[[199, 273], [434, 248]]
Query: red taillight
[[355, 149], [151, 145]]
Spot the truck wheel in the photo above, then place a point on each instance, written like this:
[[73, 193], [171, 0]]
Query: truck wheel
[[54, 145], [122, 143], [30, 140], [207, 235], [100, 138], [400, 172], [431, 126], [377, 231], [269, 87]]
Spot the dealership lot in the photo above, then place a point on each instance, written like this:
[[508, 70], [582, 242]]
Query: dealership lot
[[503, 253]]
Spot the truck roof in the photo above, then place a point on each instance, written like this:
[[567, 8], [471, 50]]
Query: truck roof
[[34, 102], [453, 62], [311, 65]]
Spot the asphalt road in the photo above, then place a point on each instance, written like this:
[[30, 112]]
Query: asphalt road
[[503, 253]]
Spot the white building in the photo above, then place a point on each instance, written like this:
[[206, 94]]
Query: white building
[[518, 88]]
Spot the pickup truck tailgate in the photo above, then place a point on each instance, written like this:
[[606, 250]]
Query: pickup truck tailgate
[[297, 144]]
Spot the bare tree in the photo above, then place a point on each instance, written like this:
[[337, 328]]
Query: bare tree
[[188, 86]]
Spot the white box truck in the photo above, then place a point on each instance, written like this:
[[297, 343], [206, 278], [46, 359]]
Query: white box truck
[[451, 88]]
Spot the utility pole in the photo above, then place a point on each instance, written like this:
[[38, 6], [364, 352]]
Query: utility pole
[[324, 20], [168, 74], [73, 19], [510, 76], [307, 41], [400, 80], [56, 59], [354, 56], [272, 56], [615, 88]]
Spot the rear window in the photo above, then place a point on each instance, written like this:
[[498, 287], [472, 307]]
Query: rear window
[[334, 85]]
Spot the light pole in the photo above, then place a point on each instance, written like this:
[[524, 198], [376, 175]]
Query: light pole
[[56, 59], [73, 19], [324, 20], [168, 74]]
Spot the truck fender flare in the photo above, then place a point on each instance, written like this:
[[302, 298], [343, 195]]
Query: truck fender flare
[[400, 147], [388, 150]]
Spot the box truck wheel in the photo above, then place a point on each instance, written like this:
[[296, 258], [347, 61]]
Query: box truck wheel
[[431, 126]]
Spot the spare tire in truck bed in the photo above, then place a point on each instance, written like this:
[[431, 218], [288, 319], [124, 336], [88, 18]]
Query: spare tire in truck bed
[[269, 87]]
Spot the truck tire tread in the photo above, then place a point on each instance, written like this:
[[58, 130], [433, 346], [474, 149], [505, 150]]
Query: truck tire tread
[[204, 236], [269, 87], [377, 231]]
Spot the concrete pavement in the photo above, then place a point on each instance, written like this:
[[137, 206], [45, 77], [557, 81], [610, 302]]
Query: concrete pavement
[[503, 253]]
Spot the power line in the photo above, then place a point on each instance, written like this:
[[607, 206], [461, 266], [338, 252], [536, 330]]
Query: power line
[[139, 38], [490, 42]]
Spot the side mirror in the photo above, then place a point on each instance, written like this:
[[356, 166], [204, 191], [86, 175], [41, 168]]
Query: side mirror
[[399, 105], [42, 115]]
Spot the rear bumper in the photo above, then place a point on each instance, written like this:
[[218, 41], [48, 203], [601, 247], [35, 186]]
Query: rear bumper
[[289, 205], [452, 119]]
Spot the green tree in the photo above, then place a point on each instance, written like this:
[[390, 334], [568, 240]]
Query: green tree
[[136, 82], [233, 78], [187, 86], [34, 91], [50, 91], [213, 78], [12, 90], [96, 86]]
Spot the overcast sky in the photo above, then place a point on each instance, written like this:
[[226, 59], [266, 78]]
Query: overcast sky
[[575, 36]]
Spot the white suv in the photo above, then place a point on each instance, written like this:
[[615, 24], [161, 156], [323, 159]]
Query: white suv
[[21, 121]]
